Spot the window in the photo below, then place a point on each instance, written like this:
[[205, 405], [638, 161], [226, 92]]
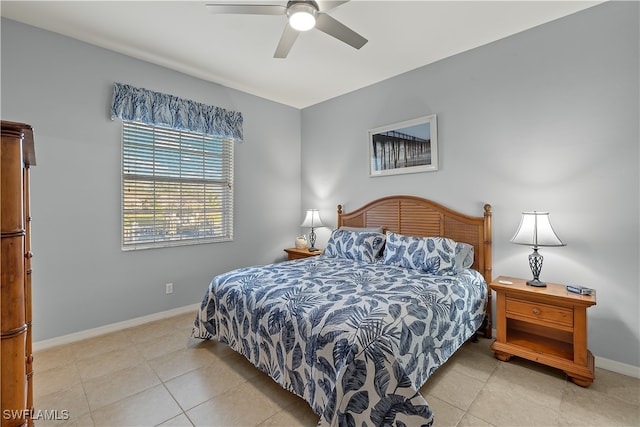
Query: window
[[177, 187], [177, 168]]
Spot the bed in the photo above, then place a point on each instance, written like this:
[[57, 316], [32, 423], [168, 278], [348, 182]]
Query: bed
[[356, 331]]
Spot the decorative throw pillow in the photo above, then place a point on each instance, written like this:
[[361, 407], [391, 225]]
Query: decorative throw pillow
[[356, 245], [434, 255], [464, 256]]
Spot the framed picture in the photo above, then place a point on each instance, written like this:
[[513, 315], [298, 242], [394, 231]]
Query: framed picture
[[406, 147]]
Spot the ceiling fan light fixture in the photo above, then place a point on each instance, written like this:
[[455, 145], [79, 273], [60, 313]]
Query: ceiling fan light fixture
[[302, 16]]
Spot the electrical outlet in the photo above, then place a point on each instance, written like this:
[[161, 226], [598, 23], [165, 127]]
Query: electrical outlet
[[168, 288]]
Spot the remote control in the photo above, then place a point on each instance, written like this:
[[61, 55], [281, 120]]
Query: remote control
[[579, 289]]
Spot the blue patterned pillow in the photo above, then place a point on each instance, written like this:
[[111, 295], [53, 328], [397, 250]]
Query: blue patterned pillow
[[356, 245], [464, 256], [434, 255]]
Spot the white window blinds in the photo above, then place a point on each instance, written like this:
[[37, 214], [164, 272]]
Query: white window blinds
[[177, 187]]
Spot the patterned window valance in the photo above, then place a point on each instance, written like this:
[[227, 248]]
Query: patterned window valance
[[159, 109]]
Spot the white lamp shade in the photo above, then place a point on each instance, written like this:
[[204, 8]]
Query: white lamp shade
[[312, 219], [535, 230]]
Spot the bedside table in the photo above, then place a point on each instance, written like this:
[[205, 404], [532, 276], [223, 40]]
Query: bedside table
[[295, 253], [547, 325]]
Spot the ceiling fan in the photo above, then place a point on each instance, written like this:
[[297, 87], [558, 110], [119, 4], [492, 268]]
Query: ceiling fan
[[302, 16]]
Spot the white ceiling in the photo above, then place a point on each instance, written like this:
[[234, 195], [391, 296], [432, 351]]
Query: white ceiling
[[237, 50]]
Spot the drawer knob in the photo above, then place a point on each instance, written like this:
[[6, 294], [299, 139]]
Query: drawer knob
[[536, 311]]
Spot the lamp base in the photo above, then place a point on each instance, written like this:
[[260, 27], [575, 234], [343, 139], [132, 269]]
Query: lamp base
[[535, 263], [312, 241], [537, 283]]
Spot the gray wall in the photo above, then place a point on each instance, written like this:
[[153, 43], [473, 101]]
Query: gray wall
[[81, 278], [543, 120]]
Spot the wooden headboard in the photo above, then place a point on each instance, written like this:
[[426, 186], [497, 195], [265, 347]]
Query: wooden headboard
[[415, 216]]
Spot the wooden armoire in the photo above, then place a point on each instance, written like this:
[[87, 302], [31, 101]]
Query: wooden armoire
[[17, 155]]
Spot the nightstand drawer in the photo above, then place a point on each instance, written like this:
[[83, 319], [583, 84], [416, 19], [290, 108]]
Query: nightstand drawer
[[297, 255], [541, 312]]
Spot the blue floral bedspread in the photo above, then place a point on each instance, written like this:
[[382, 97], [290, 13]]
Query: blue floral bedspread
[[355, 340]]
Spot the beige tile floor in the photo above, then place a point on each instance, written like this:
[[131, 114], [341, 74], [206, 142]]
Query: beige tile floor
[[155, 374]]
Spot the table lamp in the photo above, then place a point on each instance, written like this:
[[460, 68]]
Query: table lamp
[[312, 220], [535, 230]]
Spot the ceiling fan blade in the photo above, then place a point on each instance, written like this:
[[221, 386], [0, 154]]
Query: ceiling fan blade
[[247, 9], [335, 28], [323, 6], [289, 36]]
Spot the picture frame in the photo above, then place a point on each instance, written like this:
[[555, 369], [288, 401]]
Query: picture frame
[[406, 147]]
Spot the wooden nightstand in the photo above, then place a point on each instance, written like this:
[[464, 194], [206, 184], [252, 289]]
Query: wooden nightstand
[[547, 325], [295, 253]]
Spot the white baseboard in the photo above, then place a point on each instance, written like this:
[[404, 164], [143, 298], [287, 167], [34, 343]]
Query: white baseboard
[[621, 368], [113, 327]]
